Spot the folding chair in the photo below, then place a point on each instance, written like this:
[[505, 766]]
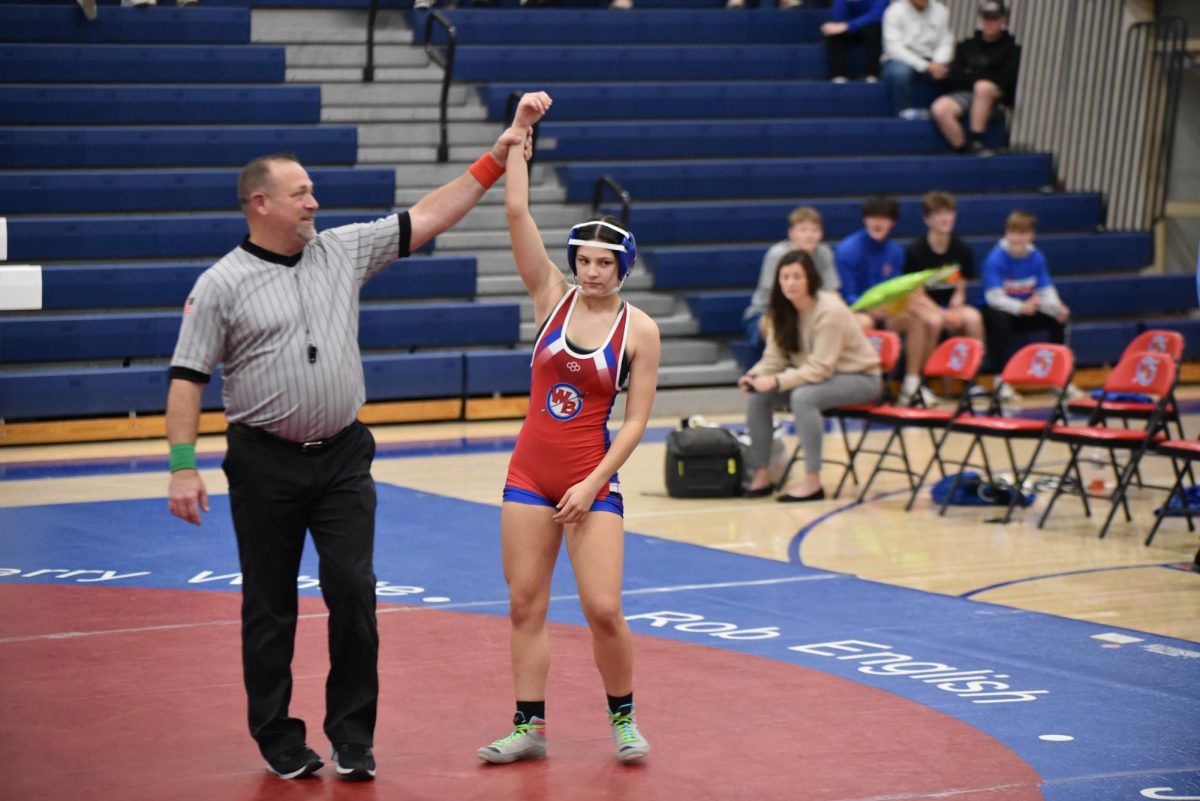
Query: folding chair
[[1154, 340], [1178, 449], [958, 358], [1039, 365], [1142, 372], [887, 345]]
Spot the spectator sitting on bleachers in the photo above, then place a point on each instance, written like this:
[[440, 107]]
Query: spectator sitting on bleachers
[[982, 74], [944, 304], [854, 22], [816, 358], [805, 232], [917, 46], [868, 257], [1021, 298]]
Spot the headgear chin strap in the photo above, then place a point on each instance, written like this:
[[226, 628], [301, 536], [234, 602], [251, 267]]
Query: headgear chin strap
[[626, 251]]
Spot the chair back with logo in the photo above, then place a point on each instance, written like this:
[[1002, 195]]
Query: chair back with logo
[[1040, 365], [957, 357], [1158, 340], [1143, 372], [887, 345]]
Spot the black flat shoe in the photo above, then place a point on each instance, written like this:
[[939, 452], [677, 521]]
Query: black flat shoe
[[761, 492], [819, 495]]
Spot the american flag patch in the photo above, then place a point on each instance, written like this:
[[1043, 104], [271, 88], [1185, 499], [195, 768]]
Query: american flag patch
[[188, 305]]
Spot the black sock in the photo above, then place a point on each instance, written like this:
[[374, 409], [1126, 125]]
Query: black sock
[[528, 710], [615, 702], [974, 137]]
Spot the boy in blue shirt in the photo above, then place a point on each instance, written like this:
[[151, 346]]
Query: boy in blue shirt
[[1018, 291], [869, 256]]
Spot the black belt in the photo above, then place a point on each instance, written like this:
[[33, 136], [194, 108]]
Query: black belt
[[312, 446]]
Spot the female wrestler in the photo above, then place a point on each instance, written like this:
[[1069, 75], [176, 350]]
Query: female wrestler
[[562, 479]]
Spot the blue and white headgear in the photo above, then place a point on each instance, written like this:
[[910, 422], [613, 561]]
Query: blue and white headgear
[[626, 250]]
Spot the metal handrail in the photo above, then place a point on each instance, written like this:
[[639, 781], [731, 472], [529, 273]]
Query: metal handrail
[[369, 69], [447, 64], [608, 182]]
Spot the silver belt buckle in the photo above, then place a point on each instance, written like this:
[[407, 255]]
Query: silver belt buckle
[[311, 446]]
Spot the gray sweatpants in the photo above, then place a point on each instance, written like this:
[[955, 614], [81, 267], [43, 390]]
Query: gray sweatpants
[[807, 402]]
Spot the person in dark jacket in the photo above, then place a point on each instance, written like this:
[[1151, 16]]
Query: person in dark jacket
[[982, 74]]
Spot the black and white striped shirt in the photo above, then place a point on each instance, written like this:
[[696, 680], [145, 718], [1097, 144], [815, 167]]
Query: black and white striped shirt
[[261, 315]]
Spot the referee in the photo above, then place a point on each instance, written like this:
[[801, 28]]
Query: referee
[[280, 312]]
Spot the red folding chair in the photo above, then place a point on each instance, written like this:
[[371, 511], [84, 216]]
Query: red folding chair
[[1185, 450], [887, 345], [1141, 372], [1038, 365], [958, 358], [1155, 340]]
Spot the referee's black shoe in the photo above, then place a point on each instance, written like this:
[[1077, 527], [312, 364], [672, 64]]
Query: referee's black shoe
[[295, 763], [354, 762]]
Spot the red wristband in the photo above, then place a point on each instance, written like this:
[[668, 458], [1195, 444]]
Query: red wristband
[[486, 170]]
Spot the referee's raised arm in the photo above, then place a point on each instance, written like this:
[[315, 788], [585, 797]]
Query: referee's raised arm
[[442, 208]]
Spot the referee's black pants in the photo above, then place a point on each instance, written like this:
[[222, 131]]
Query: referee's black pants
[[276, 492]]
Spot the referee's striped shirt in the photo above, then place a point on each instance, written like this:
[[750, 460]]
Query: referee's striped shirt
[[257, 313]]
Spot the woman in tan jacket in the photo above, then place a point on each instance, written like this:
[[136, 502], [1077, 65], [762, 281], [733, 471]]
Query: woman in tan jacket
[[817, 357]]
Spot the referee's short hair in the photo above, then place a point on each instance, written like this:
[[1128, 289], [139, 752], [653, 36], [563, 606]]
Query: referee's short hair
[[256, 176]]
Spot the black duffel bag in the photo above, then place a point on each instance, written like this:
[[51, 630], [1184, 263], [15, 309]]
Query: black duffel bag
[[703, 462]]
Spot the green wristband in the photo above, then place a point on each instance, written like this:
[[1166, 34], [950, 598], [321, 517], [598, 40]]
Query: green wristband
[[183, 456]]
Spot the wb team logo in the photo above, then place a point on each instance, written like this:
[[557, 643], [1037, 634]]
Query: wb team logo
[[563, 402], [1147, 370], [958, 356], [1043, 362]]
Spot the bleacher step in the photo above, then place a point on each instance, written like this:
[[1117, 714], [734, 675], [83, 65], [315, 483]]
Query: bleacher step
[[469, 134], [723, 373], [354, 74], [547, 193], [422, 113], [393, 94], [355, 56], [328, 26]]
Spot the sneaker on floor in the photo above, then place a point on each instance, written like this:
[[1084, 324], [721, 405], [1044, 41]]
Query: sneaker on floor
[[527, 741], [354, 762], [1073, 392], [914, 114], [295, 763], [872, 79], [631, 745], [1007, 394], [928, 398], [89, 8], [840, 79]]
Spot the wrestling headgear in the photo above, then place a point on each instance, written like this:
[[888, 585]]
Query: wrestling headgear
[[626, 250]]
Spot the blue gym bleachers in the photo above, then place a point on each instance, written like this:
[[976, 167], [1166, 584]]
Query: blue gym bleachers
[[64, 23], [151, 335], [762, 178], [166, 285], [737, 265], [56, 192], [86, 392], [497, 372], [141, 63], [700, 100], [653, 27], [158, 105], [758, 220], [73, 238], [721, 312], [718, 138], [191, 146], [609, 62]]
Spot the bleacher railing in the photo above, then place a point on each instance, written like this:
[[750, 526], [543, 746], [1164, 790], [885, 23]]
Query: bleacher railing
[[1099, 89]]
